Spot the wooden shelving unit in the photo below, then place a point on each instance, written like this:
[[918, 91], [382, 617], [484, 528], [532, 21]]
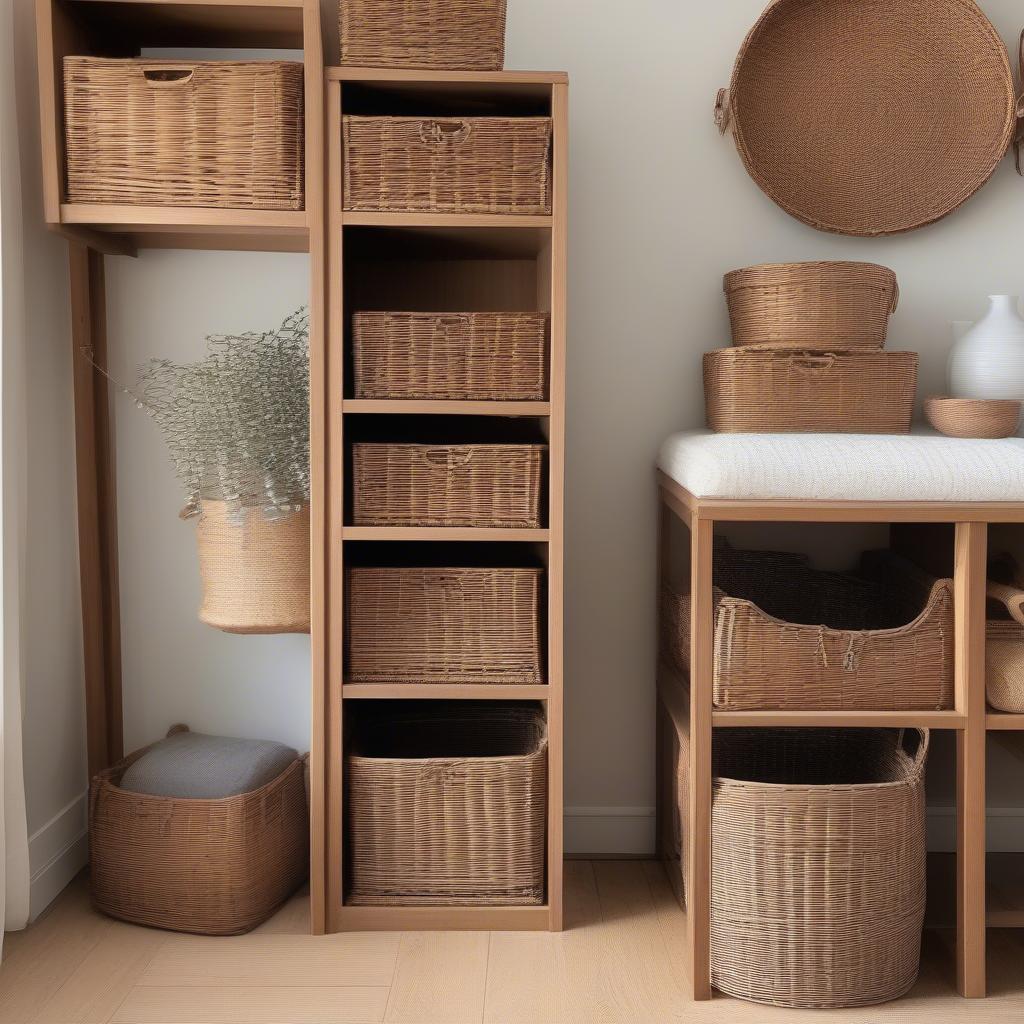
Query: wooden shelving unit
[[468, 262]]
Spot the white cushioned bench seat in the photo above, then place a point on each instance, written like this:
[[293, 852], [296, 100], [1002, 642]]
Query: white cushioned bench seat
[[845, 467]]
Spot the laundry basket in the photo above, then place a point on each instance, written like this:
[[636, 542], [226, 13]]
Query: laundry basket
[[817, 863], [1004, 651]]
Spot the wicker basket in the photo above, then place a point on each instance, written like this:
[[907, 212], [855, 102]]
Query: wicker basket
[[762, 389], [446, 805], [213, 867], [493, 485], [460, 35], [973, 417], [811, 305], [817, 863], [448, 165], [905, 152], [887, 642], [255, 573], [1004, 652], [456, 356], [440, 625], [173, 133]]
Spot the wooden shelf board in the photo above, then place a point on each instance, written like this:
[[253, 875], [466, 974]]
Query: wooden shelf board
[[839, 719], [409, 533], [353, 918], [442, 691], [997, 721], [414, 407], [358, 74], [355, 218]]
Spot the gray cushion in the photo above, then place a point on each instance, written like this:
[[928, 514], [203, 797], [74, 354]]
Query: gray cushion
[[190, 765]]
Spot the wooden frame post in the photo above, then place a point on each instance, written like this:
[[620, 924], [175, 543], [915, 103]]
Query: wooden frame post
[[97, 511], [969, 576]]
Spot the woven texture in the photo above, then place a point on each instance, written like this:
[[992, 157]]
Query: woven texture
[[817, 863], [213, 867], [446, 805], [448, 165], [447, 485], [759, 389], [168, 133], [255, 573], [1004, 651], [886, 643], [871, 117], [456, 34], [462, 625], [461, 356], [973, 417], [811, 305]]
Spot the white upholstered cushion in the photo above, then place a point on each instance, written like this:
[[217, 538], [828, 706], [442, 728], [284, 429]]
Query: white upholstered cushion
[[846, 467]]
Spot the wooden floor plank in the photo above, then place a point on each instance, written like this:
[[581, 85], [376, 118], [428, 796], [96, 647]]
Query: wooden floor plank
[[268, 1005], [291, 919], [439, 979], [525, 981], [284, 961]]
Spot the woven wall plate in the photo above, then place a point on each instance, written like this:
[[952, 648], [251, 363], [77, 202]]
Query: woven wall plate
[[870, 117]]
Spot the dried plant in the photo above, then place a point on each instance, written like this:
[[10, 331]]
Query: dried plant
[[236, 422]]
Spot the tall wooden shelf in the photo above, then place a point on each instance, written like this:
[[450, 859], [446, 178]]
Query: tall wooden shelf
[[489, 261]]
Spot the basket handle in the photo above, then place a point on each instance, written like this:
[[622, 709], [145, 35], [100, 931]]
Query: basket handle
[[163, 77], [440, 131], [895, 297], [804, 363], [1012, 597], [446, 458], [722, 111], [451, 324]]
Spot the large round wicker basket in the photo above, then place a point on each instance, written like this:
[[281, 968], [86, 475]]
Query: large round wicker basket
[[254, 569], [870, 117]]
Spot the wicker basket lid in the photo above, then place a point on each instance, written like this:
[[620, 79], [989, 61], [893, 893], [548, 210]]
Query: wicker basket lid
[[871, 117]]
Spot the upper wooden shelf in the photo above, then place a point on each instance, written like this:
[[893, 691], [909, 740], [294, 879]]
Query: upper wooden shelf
[[358, 218], [416, 407], [407, 75]]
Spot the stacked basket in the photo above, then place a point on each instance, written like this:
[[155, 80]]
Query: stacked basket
[[807, 353]]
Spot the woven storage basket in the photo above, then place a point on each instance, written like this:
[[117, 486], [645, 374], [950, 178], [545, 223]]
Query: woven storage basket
[[458, 356], [455, 34], [440, 625], [168, 133], [761, 389], [448, 165], [447, 805], [1004, 652], [447, 485], [213, 867], [817, 863], [973, 417], [255, 573], [887, 642], [926, 135], [811, 305]]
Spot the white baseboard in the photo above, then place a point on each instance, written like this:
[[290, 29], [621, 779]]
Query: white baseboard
[[629, 831], [56, 853]]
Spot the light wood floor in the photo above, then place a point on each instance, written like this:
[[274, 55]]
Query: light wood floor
[[616, 962]]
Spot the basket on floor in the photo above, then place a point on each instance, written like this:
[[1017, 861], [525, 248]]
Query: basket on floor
[[459, 35], [886, 643], [489, 485], [817, 863], [454, 356], [768, 389], [443, 625], [178, 133], [811, 305], [1004, 651], [448, 165], [212, 867], [446, 804]]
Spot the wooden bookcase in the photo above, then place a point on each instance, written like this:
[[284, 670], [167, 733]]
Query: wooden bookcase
[[476, 262]]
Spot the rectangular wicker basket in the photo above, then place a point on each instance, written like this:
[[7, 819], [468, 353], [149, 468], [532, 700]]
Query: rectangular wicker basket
[[817, 862], [447, 804], [765, 389], [448, 165], [489, 485], [178, 133], [212, 867], [441, 625], [460, 35], [455, 356], [887, 642]]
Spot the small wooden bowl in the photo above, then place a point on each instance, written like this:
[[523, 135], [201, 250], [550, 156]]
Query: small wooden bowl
[[973, 417]]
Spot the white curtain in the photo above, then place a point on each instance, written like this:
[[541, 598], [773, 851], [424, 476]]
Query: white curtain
[[14, 861]]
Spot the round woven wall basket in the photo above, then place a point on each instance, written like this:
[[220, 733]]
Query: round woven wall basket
[[255, 572], [870, 117]]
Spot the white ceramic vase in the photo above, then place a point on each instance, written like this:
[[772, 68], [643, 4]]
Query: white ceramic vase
[[987, 361]]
